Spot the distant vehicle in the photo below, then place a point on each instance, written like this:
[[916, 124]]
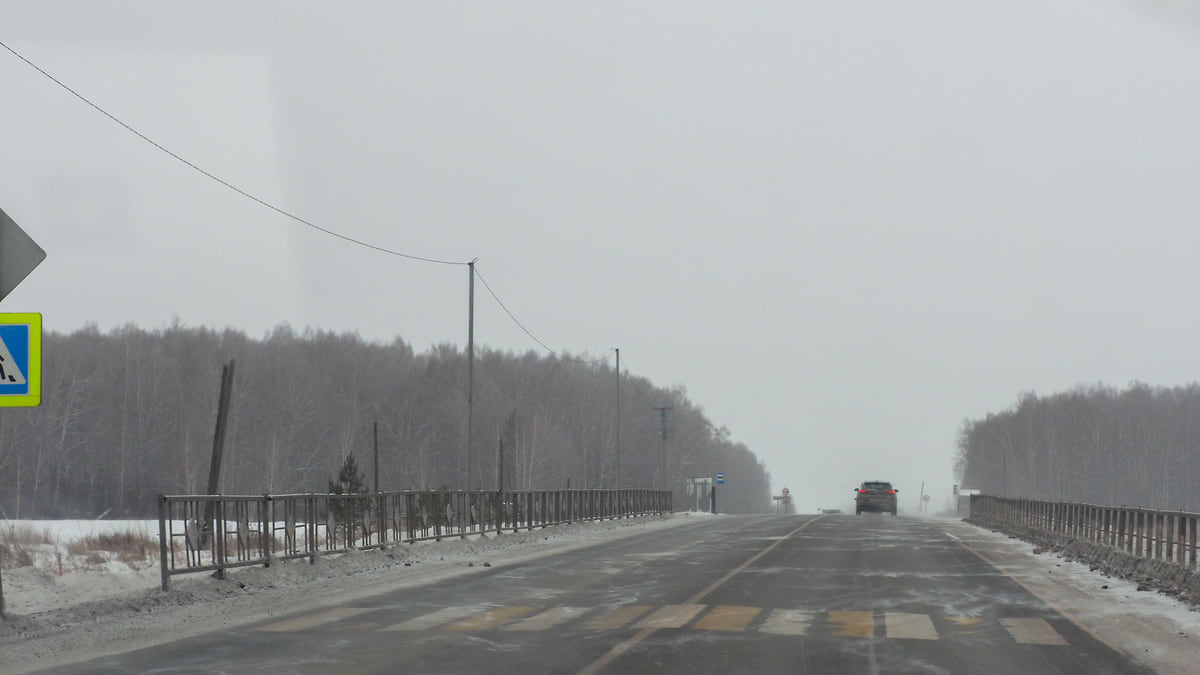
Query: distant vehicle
[[831, 510], [875, 495]]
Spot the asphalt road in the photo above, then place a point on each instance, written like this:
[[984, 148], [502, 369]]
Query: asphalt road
[[738, 594]]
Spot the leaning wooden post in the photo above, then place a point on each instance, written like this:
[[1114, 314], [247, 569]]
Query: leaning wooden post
[[214, 470]]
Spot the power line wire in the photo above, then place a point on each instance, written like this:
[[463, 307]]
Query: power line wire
[[526, 330], [281, 211], [220, 180]]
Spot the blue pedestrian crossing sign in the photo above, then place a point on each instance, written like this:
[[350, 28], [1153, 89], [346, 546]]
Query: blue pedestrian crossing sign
[[20, 360]]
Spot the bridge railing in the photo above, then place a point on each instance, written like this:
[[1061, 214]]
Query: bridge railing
[[1171, 536], [201, 533]]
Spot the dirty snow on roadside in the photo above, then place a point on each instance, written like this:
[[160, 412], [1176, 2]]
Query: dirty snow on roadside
[[1160, 631], [109, 606]]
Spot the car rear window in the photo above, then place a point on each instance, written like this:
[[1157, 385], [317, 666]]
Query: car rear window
[[877, 486]]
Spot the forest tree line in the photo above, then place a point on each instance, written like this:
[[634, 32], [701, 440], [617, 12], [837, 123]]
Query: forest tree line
[[1095, 444], [130, 414]]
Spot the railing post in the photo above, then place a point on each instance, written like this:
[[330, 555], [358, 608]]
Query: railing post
[[218, 528], [266, 530], [162, 540]]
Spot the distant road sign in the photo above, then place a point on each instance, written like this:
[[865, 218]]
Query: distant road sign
[[785, 492], [925, 497], [19, 254], [20, 360], [720, 478]]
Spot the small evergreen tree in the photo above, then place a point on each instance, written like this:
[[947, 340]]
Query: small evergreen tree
[[350, 481]]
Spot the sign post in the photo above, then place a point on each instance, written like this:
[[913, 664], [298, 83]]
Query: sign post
[[20, 334]]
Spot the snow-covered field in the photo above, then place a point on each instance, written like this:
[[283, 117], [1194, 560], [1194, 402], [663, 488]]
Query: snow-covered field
[[99, 605]]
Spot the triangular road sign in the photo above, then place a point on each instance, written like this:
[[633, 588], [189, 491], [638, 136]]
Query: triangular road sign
[[19, 254]]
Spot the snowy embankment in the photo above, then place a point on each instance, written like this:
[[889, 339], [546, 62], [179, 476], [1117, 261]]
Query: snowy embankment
[[71, 603]]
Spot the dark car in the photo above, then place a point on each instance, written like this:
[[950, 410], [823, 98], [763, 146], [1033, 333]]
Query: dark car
[[875, 495]]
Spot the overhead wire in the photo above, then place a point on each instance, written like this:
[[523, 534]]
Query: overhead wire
[[533, 337], [288, 214], [218, 179]]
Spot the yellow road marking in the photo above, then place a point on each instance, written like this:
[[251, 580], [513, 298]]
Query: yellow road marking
[[548, 618], [491, 618], [727, 617], [619, 617], [1032, 631], [853, 624], [909, 626], [787, 622], [670, 616], [310, 620]]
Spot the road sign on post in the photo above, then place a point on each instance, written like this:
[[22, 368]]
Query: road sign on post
[[19, 254], [20, 360], [720, 478]]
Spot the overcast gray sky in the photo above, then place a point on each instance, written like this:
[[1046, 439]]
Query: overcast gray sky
[[844, 227]]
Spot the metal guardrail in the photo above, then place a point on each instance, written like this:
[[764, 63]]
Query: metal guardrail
[[1144, 533], [201, 533]]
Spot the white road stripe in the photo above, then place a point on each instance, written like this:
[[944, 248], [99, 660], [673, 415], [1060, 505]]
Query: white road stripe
[[310, 620], [909, 626], [548, 619], [435, 619], [670, 616], [787, 622], [1032, 631]]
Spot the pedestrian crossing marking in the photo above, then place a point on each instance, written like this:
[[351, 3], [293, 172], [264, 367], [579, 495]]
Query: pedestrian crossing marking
[[310, 620], [728, 618], [438, 618], [548, 619], [619, 617], [909, 626], [491, 618], [853, 624], [1032, 631], [725, 618], [670, 616], [787, 622]]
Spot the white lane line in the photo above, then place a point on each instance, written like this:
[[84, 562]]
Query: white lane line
[[787, 622], [1032, 631], [909, 626]]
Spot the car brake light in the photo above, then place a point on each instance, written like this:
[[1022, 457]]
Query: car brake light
[[891, 492]]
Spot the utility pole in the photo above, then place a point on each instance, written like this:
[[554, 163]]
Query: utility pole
[[664, 424], [470, 365], [500, 466], [377, 456], [618, 350], [218, 452]]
